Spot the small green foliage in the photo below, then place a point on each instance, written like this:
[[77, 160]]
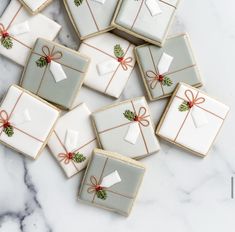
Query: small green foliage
[[102, 194], [41, 62], [7, 42], [118, 51], [167, 81], [79, 158], [9, 131], [129, 115], [184, 106], [78, 2]]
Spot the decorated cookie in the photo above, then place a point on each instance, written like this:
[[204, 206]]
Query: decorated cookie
[[111, 182], [112, 62], [26, 121], [35, 6], [163, 68], [91, 17], [19, 31], [192, 120], [73, 140], [126, 128], [55, 73], [149, 20]]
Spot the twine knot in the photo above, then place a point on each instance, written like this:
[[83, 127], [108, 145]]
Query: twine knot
[[3, 32], [154, 78], [4, 119], [193, 100], [125, 63], [94, 186], [66, 157], [50, 55], [141, 117]]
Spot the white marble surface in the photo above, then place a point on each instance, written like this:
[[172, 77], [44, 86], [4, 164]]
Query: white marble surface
[[180, 193]]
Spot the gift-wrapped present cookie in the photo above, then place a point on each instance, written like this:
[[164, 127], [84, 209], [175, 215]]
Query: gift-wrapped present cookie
[[19, 31], [26, 121], [163, 68], [73, 140], [111, 181], [35, 6], [149, 20], [112, 62], [91, 17], [192, 120], [55, 73], [126, 128]]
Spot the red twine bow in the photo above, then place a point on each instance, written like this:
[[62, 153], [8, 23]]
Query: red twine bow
[[66, 157], [192, 100], [125, 62], [95, 186], [4, 119], [50, 55], [154, 78], [3, 31], [140, 117]]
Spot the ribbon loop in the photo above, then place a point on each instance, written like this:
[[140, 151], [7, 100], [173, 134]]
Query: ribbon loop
[[65, 157], [192, 100], [141, 117], [49, 55], [154, 78], [126, 62], [3, 31], [4, 117], [94, 185]]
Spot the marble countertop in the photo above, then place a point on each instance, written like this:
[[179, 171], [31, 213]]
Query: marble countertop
[[180, 193]]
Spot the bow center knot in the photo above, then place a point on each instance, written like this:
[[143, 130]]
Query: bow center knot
[[6, 124], [98, 188], [70, 155], [160, 78], [120, 59], [191, 104], [137, 119], [4, 34], [49, 59]]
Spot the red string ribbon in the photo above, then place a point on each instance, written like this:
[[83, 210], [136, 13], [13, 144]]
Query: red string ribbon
[[4, 119], [50, 55], [3, 31], [66, 157], [95, 186], [125, 62], [154, 78], [141, 117], [192, 99]]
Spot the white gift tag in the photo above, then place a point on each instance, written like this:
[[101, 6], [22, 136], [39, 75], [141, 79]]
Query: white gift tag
[[100, 1], [19, 29], [57, 71], [107, 66], [133, 133], [111, 180], [153, 6], [19, 119], [71, 140], [165, 63], [199, 117]]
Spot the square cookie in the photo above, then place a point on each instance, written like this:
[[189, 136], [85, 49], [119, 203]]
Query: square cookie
[[192, 120], [112, 62], [35, 6], [163, 68], [73, 140], [19, 30], [26, 121], [126, 128], [111, 181], [91, 17], [149, 20], [55, 73]]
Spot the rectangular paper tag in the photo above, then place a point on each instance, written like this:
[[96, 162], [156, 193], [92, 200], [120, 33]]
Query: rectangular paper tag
[[111, 179], [71, 140], [19, 29], [133, 133], [199, 117], [153, 6], [107, 66], [164, 63], [57, 71]]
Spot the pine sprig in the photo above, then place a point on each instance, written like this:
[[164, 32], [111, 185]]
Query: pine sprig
[[101, 194], [118, 51], [7, 42], [184, 106], [9, 131], [129, 115], [167, 81], [79, 158], [78, 2], [41, 62]]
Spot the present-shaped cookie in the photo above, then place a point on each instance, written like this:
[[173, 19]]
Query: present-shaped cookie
[[149, 20], [111, 181], [126, 128], [19, 31], [163, 68], [192, 120], [91, 17], [112, 62], [26, 121], [55, 73], [35, 6], [73, 140]]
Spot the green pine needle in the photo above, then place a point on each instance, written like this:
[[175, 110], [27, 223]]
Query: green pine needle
[[167, 81], [118, 51], [129, 115], [9, 131], [102, 194], [7, 42], [79, 158], [78, 2], [41, 62], [184, 107]]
